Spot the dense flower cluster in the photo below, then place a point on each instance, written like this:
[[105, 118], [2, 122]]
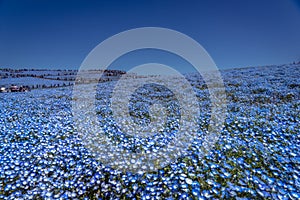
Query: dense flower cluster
[[256, 156]]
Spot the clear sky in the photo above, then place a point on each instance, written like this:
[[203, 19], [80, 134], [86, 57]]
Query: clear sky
[[236, 33]]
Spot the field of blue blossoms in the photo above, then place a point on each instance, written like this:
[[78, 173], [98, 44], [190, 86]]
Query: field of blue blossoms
[[256, 157]]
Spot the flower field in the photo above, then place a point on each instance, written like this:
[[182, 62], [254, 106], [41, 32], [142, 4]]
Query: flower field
[[257, 155]]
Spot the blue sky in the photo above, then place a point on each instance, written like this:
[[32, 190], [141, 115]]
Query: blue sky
[[59, 34]]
